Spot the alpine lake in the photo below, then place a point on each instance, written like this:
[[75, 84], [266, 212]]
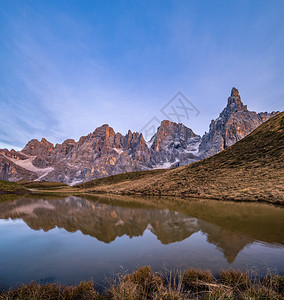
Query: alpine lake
[[71, 239]]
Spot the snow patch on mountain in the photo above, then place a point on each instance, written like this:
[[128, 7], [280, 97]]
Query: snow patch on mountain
[[119, 151], [76, 181], [28, 165], [165, 165], [150, 143]]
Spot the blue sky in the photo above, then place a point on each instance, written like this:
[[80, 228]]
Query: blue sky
[[67, 67]]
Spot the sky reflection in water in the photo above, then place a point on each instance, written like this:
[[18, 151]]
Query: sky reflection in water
[[72, 239]]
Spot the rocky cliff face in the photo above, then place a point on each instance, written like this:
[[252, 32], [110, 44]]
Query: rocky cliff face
[[234, 123], [99, 154], [173, 145], [104, 152]]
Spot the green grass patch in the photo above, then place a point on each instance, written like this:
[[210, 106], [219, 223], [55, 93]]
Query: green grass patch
[[43, 185], [7, 187]]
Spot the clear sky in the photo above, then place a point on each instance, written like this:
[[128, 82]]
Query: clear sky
[[67, 67]]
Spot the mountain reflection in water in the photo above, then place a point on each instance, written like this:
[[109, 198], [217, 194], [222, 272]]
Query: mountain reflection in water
[[229, 226]]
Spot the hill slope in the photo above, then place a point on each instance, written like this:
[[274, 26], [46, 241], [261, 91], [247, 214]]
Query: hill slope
[[12, 188], [252, 169]]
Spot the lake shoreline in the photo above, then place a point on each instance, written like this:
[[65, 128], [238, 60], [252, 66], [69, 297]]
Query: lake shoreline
[[145, 284], [276, 202], [57, 188], [108, 194]]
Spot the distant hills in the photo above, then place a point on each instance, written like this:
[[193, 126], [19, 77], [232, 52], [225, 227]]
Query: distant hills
[[251, 169], [104, 152]]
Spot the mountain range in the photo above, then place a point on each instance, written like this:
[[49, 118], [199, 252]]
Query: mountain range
[[250, 170], [105, 152]]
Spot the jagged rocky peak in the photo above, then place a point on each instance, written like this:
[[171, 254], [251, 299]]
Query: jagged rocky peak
[[12, 154], [233, 124], [34, 147], [173, 134], [137, 148], [132, 140], [104, 152], [235, 93], [65, 147], [69, 142], [104, 131], [173, 145], [234, 101]]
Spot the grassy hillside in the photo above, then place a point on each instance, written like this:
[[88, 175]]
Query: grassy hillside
[[7, 187], [116, 179], [42, 185], [252, 169]]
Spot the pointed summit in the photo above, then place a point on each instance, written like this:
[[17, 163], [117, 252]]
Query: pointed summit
[[104, 131], [234, 92], [234, 123], [234, 101]]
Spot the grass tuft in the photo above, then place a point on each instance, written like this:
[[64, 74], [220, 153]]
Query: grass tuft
[[235, 279], [274, 282], [197, 280]]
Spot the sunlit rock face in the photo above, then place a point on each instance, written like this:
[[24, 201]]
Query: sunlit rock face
[[100, 154], [233, 124], [34, 147], [173, 145], [105, 152], [10, 171]]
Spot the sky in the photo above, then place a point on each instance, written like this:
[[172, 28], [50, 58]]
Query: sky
[[67, 67]]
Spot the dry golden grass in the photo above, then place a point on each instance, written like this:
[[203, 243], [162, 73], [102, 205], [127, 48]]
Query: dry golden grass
[[144, 284], [37, 291]]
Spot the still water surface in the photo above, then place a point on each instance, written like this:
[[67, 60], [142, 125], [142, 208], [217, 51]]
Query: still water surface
[[72, 239]]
